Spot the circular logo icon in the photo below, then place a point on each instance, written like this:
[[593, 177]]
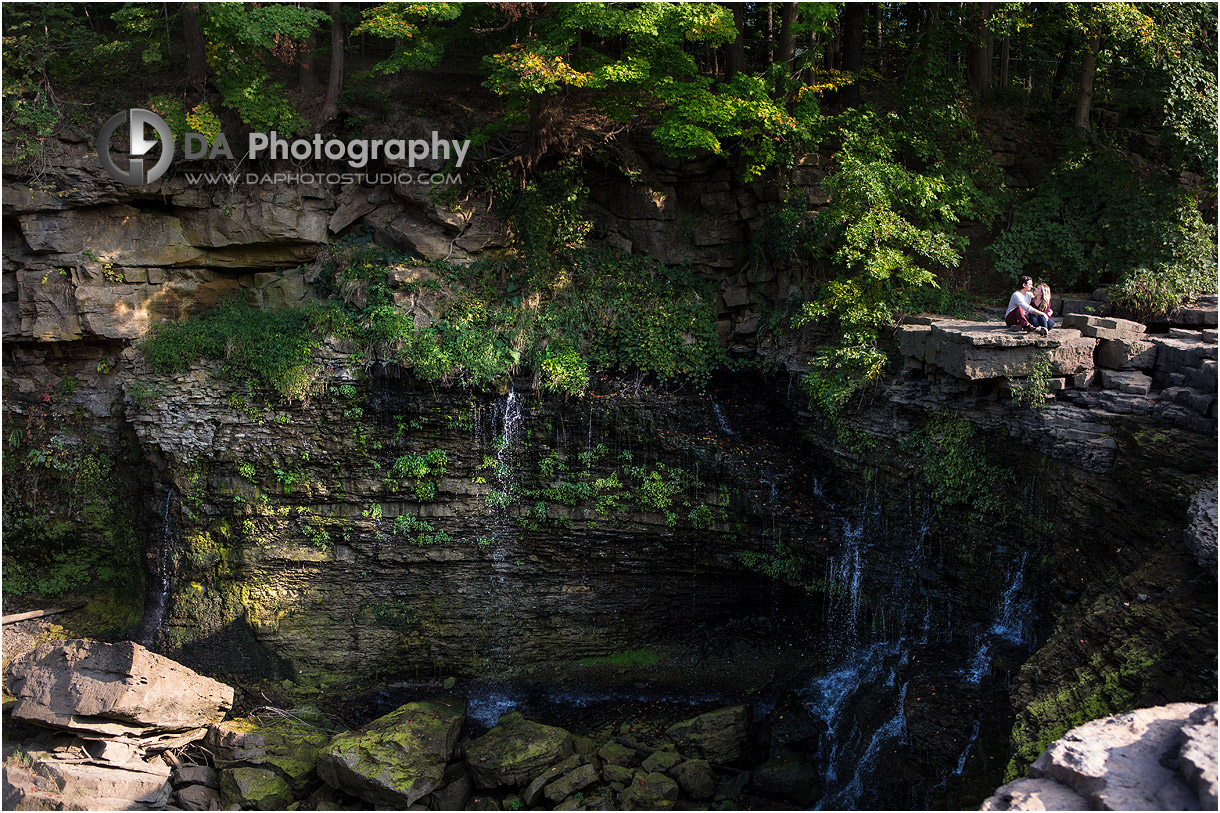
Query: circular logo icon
[[135, 174]]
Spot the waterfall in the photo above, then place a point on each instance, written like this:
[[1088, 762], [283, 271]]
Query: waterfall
[[1010, 626], [157, 597], [721, 421]]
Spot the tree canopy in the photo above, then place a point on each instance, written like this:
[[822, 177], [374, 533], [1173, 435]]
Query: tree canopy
[[896, 97]]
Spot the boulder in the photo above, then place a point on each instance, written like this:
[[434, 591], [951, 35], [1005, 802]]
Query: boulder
[[1103, 327], [534, 789], [397, 759], [116, 690], [195, 775], [1035, 794], [1126, 354], [455, 791], [695, 778], [1197, 754], [721, 737], [198, 797], [650, 791], [286, 746], [254, 789], [515, 751], [614, 753], [786, 774], [1132, 383], [1125, 762], [982, 350], [69, 778], [660, 761], [570, 783]]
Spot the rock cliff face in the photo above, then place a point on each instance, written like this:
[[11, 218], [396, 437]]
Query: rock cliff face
[[386, 528]]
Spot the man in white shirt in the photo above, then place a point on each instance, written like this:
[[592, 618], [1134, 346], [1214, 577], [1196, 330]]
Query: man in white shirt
[[1021, 303]]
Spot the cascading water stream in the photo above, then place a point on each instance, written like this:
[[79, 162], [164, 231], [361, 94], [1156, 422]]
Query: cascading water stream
[[1011, 625], [157, 598]]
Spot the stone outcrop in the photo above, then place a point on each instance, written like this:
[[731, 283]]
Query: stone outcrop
[[121, 707], [287, 747], [1161, 758], [515, 752], [721, 737], [397, 759], [116, 691], [1201, 534]]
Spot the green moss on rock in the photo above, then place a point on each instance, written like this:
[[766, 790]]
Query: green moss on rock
[[515, 751], [397, 759]]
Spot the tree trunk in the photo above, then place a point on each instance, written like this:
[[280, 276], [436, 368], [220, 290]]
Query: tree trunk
[[308, 73], [1005, 49], [330, 108], [853, 50], [196, 61], [770, 34], [735, 59], [979, 53], [1088, 69], [787, 36], [1061, 70]]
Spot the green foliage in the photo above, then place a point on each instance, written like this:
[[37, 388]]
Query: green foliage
[[958, 471], [632, 658], [1034, 390], [267, 348], [421, 534], [888, 227], [317, 536], [246, 470], [784, 563], [404, 23], [240, 40], [67, 528], [1094, 219]]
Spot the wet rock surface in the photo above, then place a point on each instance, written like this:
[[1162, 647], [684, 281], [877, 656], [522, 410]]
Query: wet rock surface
[[1161, 758]]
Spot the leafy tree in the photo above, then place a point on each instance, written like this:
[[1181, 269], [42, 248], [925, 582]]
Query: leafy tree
[[903, 182], [416, 45], [1096, 220], [242, 40]]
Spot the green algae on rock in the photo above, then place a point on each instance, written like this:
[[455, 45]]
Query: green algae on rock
[[515, 751], [399, 758]]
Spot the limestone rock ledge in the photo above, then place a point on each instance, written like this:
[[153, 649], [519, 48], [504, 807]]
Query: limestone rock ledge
[[1160, 758]]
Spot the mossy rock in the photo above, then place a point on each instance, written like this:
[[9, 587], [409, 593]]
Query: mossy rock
[[660, 761], [397, 759], [286, 746], [650, 791], [695, 778], [515, 752], [254, 789], [721, 737]]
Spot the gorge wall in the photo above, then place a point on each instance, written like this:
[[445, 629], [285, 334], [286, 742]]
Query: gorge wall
[[386, 527]]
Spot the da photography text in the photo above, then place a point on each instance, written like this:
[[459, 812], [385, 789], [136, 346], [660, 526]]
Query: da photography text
[[356, 153]]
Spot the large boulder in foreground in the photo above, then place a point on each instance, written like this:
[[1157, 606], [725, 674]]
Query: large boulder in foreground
[[286, 746], [117, 690], [397, 759], [1161, 758], [515, 752], [721, 737]]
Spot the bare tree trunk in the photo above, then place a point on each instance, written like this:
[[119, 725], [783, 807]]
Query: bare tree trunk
[[770, 33], [308, 73], [1005, 50], [1088, 69], [196, 61], [330, 108], [787, 36], [979, 53], [853, 50], [735, 59]]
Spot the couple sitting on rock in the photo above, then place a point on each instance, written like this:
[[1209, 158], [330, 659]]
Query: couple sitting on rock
[[1029, 308]]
